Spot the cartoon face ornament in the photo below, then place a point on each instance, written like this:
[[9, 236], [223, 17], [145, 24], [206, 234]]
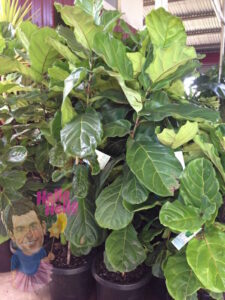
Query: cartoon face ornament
[[30, 264]]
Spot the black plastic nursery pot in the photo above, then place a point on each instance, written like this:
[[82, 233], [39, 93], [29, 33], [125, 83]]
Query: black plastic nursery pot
[[72, 284], [107, 290], [5, 257]]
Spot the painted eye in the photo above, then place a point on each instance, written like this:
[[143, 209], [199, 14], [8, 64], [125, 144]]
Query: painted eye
[[34, 226]]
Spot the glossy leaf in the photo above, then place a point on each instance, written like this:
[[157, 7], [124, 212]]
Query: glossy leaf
[[10, 65], [109, 19], [25, 31], [133, 96], [184, 112], [181, 281], [155, 166], [73, 81], [57, 157], [92, 8], [63, 50], [133, 191], [165, 29], [123, 249], [110, 212], [199, 180], [80, 182], [118, 128], [42, 55], [81, 136], [17, 154], [211, 152], [68, 35], [179, 217], [82, 229], [84, 27], [137, 60], [68, 112], [166, 61], [13, 179], [148, 204], [114, 54], [206, 257]]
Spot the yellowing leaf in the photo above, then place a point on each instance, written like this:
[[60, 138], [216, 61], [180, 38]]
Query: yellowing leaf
[[167, 137], [186, 133]]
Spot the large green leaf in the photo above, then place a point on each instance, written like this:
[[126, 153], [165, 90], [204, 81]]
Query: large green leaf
[[82, 229], [42, 55], [81, 136], [165, 29], [137, 60], [68, 112], [148, 204], [57, 157], [186, 133], [109, 19], [114, 53], [17, 154], [68, 35], [133, 191], [110, 212], [92, 8], [25, 31], [199, 180], [166, 61], [123, 250], [80, 181], [8, 196], [73, 81], [133, 96], [84, 27], [117, 128], [181, 281], [63, 50], [206, 257], [13, 179], [10, 65], [155, 166], [179, 217], [211, 152], [182, 111]]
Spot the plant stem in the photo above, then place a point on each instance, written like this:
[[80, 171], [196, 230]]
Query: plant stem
[[135, 127], [68, 254], [52, 243], [89, 81]]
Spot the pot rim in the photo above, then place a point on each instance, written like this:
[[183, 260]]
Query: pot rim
[[118, 286], [61, 271]]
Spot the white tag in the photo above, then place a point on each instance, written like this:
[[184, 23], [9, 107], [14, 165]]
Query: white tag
[[102, 159], [183, 238], [180, 157]]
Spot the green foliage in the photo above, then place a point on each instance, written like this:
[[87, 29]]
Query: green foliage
[[81, 88]]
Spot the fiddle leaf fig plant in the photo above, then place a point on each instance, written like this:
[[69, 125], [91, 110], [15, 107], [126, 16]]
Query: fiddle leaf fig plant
[[92, 91]]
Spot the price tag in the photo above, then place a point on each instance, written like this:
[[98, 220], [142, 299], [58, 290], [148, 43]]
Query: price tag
[[180, 157], [102, 159], [183, 238]]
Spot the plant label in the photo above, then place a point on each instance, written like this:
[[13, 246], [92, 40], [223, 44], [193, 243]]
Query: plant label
[[183, 238]]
